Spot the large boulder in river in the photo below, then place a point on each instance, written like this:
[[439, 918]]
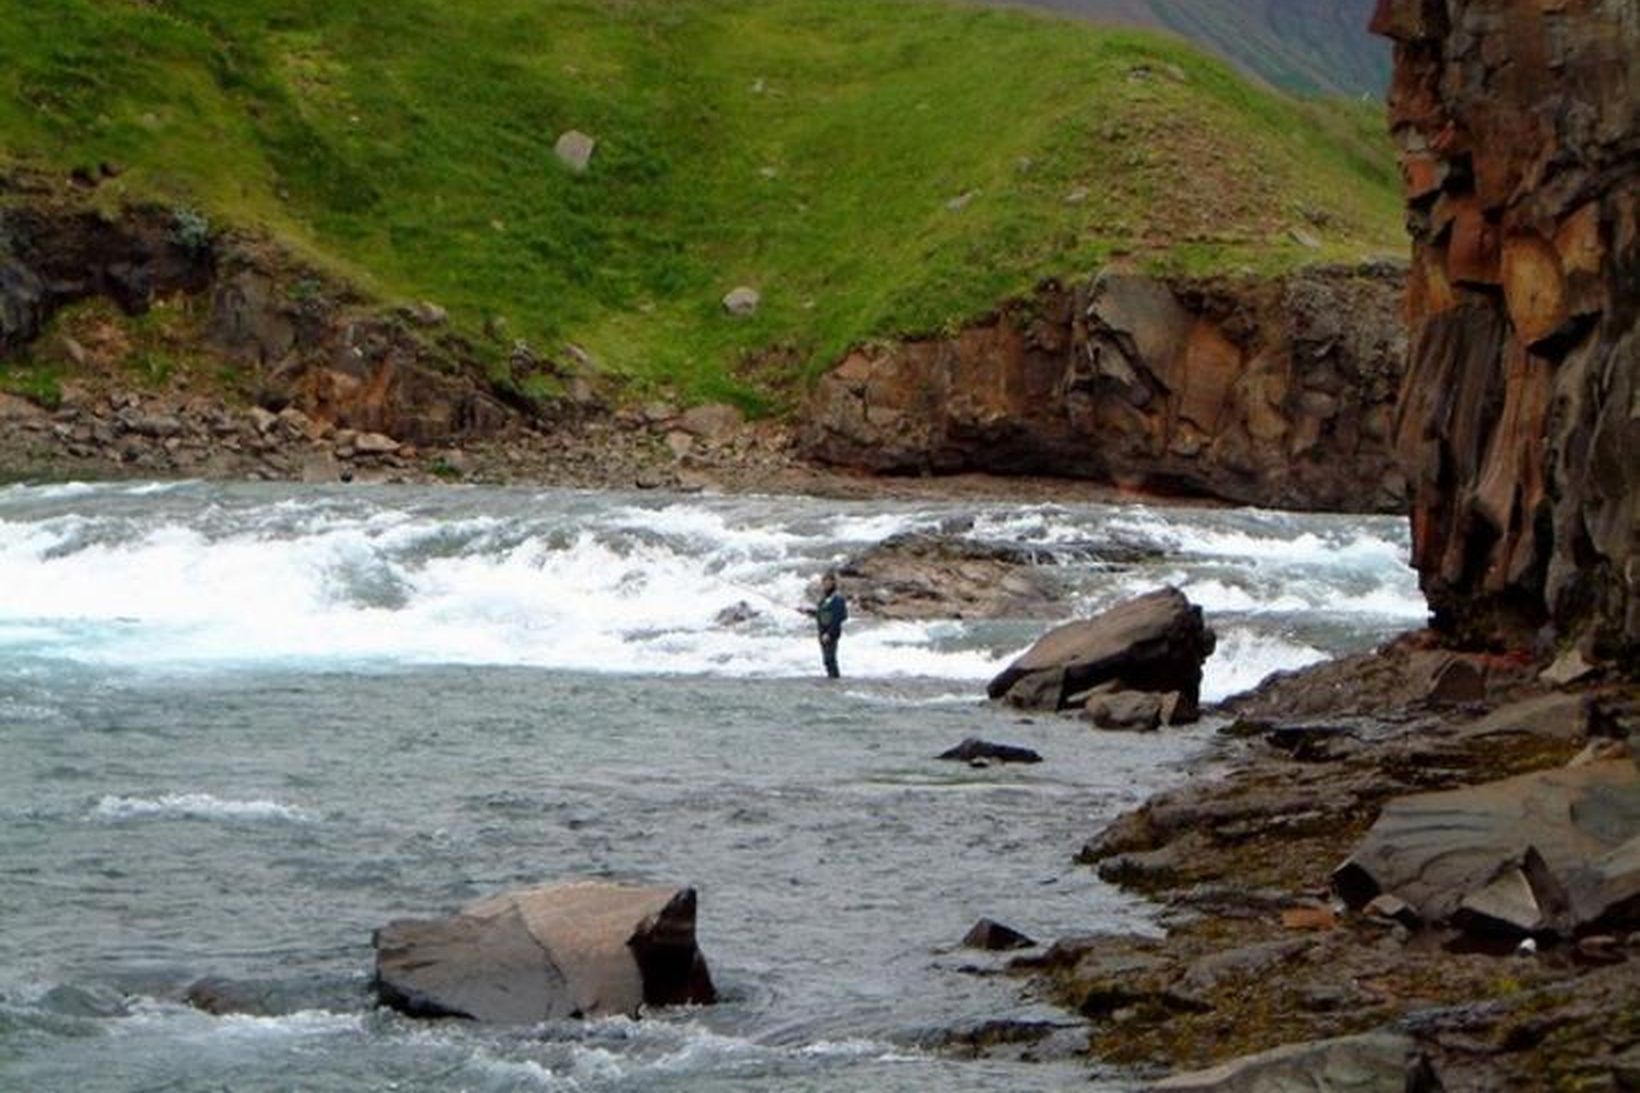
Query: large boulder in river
[[1554, 851], [589, 949], [1155, 642]]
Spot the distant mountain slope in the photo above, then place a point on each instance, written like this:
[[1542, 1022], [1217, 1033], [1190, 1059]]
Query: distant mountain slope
[[1302, 45]]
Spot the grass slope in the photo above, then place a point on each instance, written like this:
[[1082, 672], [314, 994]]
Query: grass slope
[[875, 168]]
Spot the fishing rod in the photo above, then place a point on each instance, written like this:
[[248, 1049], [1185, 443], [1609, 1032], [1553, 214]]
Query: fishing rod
[[765, 597]]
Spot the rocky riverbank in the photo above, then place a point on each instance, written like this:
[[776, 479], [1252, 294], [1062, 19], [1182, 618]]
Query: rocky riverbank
[[1263, 950]]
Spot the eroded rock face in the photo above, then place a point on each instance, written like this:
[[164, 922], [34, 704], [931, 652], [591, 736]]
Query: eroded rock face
[[302, 342], [1516, 121], [50, 259], [589, 949], [1264, 392]]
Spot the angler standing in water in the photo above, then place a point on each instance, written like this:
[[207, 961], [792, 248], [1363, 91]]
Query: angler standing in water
[[829, 615]]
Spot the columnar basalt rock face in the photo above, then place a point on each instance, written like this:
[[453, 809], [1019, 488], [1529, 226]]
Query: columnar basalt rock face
[[1520, 416], [1270, 392]]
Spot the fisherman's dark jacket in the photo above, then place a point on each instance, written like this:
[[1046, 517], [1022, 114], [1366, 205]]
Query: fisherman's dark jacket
[[829, 616]]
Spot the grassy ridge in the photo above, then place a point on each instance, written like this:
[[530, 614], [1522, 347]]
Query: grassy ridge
[[875, 168]]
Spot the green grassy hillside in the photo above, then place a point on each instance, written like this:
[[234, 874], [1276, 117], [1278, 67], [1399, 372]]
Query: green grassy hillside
[[874, 168]]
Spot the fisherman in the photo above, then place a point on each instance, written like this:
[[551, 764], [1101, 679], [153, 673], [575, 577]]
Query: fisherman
[[829, 614]]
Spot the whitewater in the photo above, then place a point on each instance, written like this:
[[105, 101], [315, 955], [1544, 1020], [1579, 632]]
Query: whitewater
[[245, 724]]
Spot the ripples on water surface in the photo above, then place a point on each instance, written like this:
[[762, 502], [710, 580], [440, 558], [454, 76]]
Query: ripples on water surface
[[245, 725]]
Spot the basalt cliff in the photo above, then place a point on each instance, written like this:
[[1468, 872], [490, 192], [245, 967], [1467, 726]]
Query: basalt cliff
[[1520, 416], [1416, 868], [1277, 392]]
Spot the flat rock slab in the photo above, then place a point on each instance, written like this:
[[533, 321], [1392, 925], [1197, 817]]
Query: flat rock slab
[[1553, 851], [1373, 1063], [587, 949]]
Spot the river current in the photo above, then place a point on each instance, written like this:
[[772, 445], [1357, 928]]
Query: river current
[[241, 726]]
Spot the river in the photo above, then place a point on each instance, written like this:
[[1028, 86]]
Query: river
[[242, 725]]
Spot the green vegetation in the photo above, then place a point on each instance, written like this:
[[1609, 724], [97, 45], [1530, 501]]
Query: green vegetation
[[874, 168], [41, 384]]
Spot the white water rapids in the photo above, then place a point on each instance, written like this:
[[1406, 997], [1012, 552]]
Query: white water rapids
[[242, 726]]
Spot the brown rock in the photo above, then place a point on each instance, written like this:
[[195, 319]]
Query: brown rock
[[1133, 712], [573, 950], [1175, 387], [1535, 287], [1516, 122], [1155, 643]]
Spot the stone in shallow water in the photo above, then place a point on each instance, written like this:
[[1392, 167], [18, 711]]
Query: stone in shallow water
[[1155, 643], [995, 937], [589, 949], [974, 748]]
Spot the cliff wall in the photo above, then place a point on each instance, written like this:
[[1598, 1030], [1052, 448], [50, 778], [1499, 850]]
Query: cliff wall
[[1520, 417], [1269, 392]]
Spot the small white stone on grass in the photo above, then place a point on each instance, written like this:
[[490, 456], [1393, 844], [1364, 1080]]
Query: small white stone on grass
[[742, 301], [574, 149]]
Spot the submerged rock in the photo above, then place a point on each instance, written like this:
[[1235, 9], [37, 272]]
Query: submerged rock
[[929, 575], [590, 949], [974, 748], [994, 936], [1155, 642]]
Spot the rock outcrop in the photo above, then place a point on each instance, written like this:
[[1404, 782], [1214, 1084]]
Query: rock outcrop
[[1153, 643], [299, 339], [1270, 392], [946, 575], [1549, 852], [51, 259], [590, 949], [1516, 121]]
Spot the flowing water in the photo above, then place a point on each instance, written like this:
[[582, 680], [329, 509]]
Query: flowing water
[[243, 725]]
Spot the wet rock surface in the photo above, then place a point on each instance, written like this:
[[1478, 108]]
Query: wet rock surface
[[950, 574], [975, 750], [590, 949]]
